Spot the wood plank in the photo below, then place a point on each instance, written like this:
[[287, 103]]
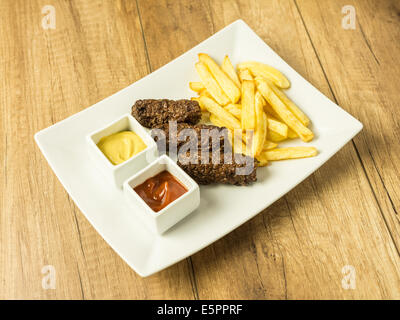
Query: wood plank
[[94, 51], [297, 247], [363, 70]]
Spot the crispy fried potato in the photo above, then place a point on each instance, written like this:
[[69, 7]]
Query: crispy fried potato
[[205, 93], [260, 132], [284, 113], [272, 115], [216, 121], [234, 109], [259, 101], [274, 136], [211, 84], [288, 153], [291, 134], [268, 145], [291, 105], [229, 69], [262, 161], [227, 85], [196, 86], [227, 119], [267, 72], [245, 74], [278, 127], [248, 116]]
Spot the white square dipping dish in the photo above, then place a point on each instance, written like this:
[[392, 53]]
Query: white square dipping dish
[[161, 221], [117, 174], [222, 207]]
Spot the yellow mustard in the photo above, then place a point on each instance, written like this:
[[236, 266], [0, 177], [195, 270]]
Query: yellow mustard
[[121, 146]]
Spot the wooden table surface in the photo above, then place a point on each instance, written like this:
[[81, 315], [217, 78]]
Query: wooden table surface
[[344, 214]]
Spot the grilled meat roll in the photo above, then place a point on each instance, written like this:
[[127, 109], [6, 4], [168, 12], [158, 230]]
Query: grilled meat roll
[[237, 173], [152, 112], [208, 137]]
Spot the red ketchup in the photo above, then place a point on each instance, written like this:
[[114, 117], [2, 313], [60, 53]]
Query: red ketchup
[[160, 190]]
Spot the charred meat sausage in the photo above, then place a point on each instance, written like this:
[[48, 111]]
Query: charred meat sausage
[[151, 112], [222, 172], [209, 137]]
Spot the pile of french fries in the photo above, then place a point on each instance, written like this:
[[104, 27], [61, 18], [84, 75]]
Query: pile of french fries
[[250, 102]]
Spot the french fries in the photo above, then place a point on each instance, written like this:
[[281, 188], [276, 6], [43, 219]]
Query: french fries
[[291, 134], [283, 112], [278, 127], [248, 116], [291, 105], [268, 145], [227, 85], [229, 69], [227, 119], [250, 102], [274, 136], [205, 93], [245, 74], [259, 135], [235, 109], [196, 86], [288, 153], [261, 125], [211, 84], [267, 72]]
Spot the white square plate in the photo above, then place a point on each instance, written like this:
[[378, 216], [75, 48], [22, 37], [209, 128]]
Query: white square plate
[[223, 208]]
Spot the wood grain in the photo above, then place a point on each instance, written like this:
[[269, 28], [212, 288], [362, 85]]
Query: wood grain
[[344, 214]]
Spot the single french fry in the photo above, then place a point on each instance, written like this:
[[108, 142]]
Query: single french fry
[[274, 136], [211, 84], [228, 119], [284, 113], [272, 115], [267, 72], [248, 116], [229, 69], [278, 127], [202, 107], [289, 153], [271, 112], [205, 93], [262, 161], [216, 121], [227, 85], [245, 74], [268, 145], [291, 105], [196, 86], [260, 132], [234, 109], [291, 134]]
